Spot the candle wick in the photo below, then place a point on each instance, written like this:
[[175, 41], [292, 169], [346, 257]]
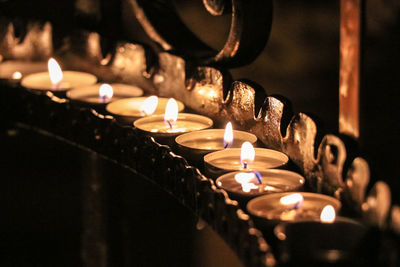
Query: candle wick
[[258, 176], [226, 145], [245, 164], [169, 123]]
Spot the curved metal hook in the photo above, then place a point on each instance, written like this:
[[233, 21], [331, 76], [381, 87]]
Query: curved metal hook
[[331, 157], [357, 180]]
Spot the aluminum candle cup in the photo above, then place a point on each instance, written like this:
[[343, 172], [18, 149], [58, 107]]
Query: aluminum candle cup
[[273, 208], [93, 94], [12, 71], [342, 243], [72, 79], [56, 80], [194, 145], [163, 133], [269, 210], [243, 186], [228, 160], [130, 109]]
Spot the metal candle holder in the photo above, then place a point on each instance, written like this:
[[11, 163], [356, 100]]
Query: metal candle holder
[[186, 69]]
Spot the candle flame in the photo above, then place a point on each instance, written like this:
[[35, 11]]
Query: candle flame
[[293, 201], [244, 178], [171, 113], [228, 135], [149, 105], [106, 91], [55, 71], [16, 75], [247, 154], [328, 214]]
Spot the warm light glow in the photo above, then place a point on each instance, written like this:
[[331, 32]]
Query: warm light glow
[[171, 113], [293, 201], [55, 71], [228, 135], [328, 214], [244, 178], [149, 105], [247, 154], [106, 91], [16, 75]]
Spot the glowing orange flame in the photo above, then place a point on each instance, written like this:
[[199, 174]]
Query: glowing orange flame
[[106, 91], [247, 154], [149, 105], [55, 71], [244, 178], [228, 135], [293, 201], [16, 75], [171, 113], [328, 214]]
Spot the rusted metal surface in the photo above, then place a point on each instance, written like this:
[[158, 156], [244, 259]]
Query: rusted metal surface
[[349, 80]]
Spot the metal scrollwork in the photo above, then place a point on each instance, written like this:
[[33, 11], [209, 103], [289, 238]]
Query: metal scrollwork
[[249, 31]]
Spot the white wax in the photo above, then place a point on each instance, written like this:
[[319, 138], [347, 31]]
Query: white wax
[[71, 79], [185, 123], [131, 107], [270, 207], [213, 139], [229, 159], [90, 94], [273, 180], [7, 68]]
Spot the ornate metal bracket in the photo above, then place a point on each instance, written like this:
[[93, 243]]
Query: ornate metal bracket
[[210, 91]]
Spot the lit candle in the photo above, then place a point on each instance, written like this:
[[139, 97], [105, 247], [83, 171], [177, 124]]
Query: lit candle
[[16, 75], [195, 145], [243, 186], [102, 94], [130, 109], [331, 240], [291, 206], [245, 158], [164, 128], [56, 79], [11, 71]]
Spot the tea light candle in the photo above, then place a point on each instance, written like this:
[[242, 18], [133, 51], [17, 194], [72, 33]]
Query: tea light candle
[[243, 186], [331, 239], [291, 207], [57, 80], [130, 109], [245, 158], [102, 94], [12, 71], [164, 128], [195, 145]]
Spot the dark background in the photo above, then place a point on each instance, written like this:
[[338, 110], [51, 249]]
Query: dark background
[[300, 61]]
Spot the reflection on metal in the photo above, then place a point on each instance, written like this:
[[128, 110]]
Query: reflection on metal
[[209, 91], [88, 129], [357, 180], [349, 80], [35, 45], [244, 43], [377, 204]]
